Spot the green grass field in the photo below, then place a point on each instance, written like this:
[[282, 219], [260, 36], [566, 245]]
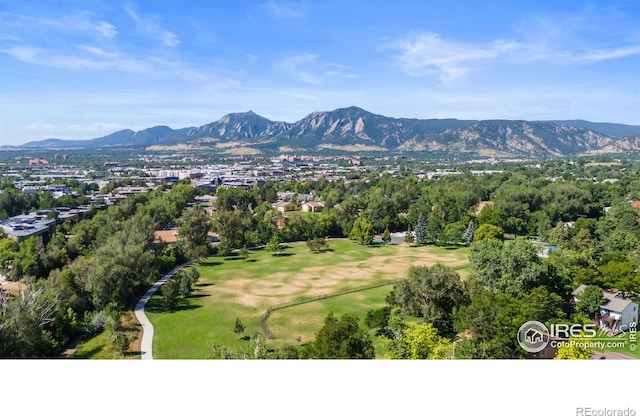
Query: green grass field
[[628, 349], [231, 288]]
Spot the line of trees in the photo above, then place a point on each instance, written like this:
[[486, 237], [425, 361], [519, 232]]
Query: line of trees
[[100, 264]]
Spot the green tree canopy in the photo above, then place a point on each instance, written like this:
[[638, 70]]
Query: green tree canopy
[[341, 339], [362, 231], [433, 293]]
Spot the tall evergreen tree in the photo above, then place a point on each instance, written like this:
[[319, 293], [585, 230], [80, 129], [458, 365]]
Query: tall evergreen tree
[[468, 235], [422, 236]]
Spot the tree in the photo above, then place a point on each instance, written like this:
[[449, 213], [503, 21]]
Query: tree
[[435, 232], [590, 300], [121, 269], [386, 236], [238, 327], [468, 234], [559, 235], [378, 318], [408, 236], [421, 232], [317, 244], [274, 245], [433, 293], [341, 339], [25, 323], [513, 267], [231, 227], [170, 291], [8, 251], [485, 231], [454, 233], [419, 342], [575, 349], [28, 261], [490, 320], [362, 231], [193, 231]]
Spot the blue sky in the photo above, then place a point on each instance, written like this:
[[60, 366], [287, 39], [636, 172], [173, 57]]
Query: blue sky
[[83, 69]]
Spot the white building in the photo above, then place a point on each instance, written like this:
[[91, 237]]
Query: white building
[[616, 313]]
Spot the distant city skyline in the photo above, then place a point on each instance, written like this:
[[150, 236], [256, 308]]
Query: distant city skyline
[[80, 70]]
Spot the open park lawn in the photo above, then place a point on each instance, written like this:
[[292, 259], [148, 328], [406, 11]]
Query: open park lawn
[[231, 288]]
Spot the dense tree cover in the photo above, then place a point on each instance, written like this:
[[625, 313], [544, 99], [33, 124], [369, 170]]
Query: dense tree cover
[[433, 293], [193, 232], [590, 300], [512, 267], [111, 258], [489, 324], [340, 339], [102, 263], [415, 341]]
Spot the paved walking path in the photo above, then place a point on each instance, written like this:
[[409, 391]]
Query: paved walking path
[[146, 345]]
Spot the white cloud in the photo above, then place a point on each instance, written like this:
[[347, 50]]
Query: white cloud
[[293, 67], [147, 24], [429, 54], [307, 68], [284, 11], [88, 57], [421, 54], [84, 57], [598, 55], [74, 22]]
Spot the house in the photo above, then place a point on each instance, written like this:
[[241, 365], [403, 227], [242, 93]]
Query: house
[[312, 206], [616, 313], [284, 206]]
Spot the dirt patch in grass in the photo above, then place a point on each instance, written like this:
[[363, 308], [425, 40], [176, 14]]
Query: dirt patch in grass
[[245, 290], [281, 287]]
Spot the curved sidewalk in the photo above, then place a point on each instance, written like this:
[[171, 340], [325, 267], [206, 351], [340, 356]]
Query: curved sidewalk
[[146, 346]]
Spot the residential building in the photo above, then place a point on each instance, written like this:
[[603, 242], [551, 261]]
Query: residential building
[[616, 313], [312, 206]]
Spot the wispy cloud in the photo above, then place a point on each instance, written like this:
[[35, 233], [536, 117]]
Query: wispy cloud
[[293, 67], [422, 54], [429, 54], [307, 68], [149, 25], [597, 55], [73, 22], [88, 57], [285, 11], [42, 126], [83, 57]]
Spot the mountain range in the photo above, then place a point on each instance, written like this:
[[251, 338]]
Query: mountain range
[[354, 129]]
